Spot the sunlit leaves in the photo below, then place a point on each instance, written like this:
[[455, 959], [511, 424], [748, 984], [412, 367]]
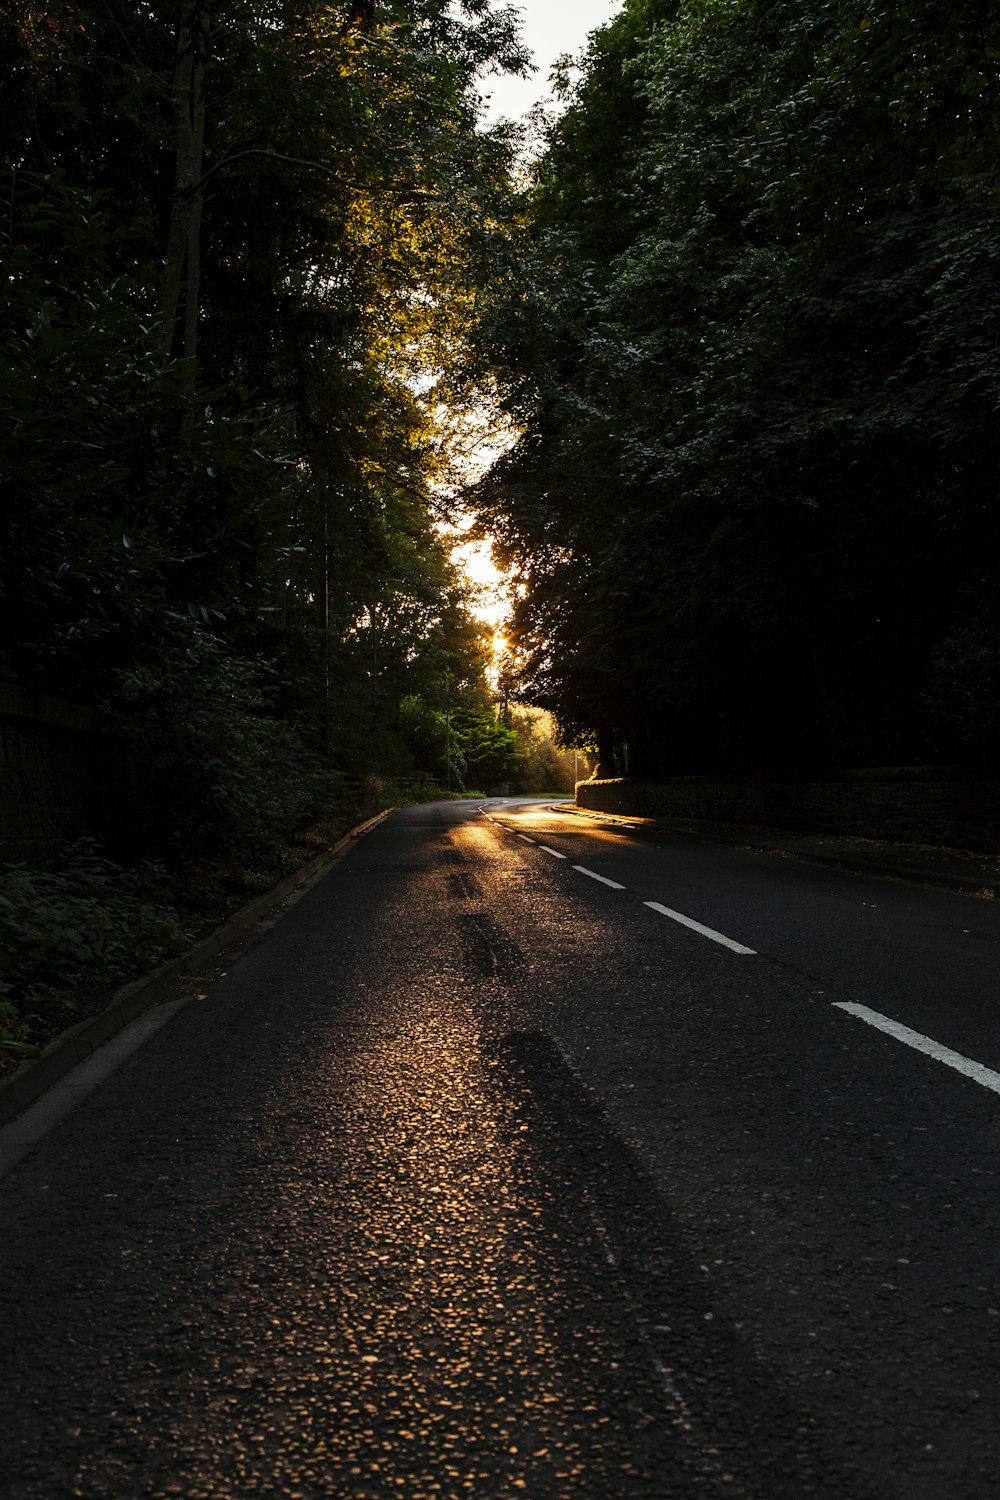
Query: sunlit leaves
[[278, 491]]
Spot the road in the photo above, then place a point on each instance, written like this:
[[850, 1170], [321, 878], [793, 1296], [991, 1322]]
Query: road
[[485, 1173]]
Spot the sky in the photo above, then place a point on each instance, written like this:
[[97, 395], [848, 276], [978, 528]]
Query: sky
[[549, 27]]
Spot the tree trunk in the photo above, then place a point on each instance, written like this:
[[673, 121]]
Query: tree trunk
[[183, 269], [324, 617], [606, 768]]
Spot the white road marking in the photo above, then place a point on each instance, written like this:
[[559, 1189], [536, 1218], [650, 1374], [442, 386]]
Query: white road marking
[[30, 1128], [709, 932], [976, 1071], [602, 878], [554, 852], [526, 838]]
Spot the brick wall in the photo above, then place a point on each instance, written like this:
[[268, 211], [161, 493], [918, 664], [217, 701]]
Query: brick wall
[[66, 771], [951, 807]]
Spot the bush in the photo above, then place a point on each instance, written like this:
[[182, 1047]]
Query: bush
[[236, 777], [431, 743], [69, 937]]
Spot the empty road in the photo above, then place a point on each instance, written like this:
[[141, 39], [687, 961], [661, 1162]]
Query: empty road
[[528, 1156]]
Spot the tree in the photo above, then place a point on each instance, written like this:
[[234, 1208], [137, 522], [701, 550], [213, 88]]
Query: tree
[[544, 766], [750, 503], [241, 246], [488, 747]]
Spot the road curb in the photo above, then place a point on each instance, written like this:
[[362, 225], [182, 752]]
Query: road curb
[[937, 879], [602, 817], [966, 885], [34, 1078]]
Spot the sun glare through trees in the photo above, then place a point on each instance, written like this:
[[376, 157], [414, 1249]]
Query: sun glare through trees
[[727, 334]]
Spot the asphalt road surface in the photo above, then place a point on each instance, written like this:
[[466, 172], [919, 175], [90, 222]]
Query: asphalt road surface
[[531, 1157]]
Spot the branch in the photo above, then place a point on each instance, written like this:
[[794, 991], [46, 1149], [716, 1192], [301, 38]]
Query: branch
[[315, 166]]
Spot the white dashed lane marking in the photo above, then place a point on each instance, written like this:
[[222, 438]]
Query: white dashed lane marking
[[916, 1039], [602, 878], [665, 911], [986, 1077], [709, 932]]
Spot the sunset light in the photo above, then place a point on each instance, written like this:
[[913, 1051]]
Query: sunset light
[[499, 708], [491, 601]]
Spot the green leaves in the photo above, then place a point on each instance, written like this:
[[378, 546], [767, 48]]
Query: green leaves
[[90, 925], [489, 748], [754, 389], [268, 505], [89, 914]]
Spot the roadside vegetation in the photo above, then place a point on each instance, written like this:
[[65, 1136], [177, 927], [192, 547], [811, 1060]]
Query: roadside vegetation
[[71, 935], [737, 325], [239, 246], [240, 250], [748, 340]]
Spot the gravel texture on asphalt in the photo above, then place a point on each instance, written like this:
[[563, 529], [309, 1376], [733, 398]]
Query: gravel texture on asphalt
[[475, 1178]]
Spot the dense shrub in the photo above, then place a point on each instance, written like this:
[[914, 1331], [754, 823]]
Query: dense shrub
[[88, 927], [236, 776]]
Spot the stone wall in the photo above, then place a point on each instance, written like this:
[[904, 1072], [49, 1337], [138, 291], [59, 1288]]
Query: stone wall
[[67, 772], [951, 807]]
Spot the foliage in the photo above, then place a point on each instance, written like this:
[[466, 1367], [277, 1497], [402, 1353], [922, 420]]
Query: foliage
[[750, 347], [465, 741], [107, 529], [237, 775], [91, 925], [543, 765], [488, 747], [220, 467], [431, 743]]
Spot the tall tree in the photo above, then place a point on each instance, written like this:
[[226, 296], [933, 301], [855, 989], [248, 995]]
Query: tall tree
[[750, 502], [240, 245], [183, 258]]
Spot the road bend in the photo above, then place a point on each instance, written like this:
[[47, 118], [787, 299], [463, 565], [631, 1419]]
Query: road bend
[[530, 1157]]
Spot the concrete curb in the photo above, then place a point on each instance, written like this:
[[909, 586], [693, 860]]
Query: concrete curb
[[966, 885], [602, 817], [35, 1077], [936, 879]]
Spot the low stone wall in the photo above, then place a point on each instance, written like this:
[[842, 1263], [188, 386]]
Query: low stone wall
[[66, 772], [951, 807]]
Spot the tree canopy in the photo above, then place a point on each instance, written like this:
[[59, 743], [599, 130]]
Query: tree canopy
[[740, 314], [240, 245], [750, 344]]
